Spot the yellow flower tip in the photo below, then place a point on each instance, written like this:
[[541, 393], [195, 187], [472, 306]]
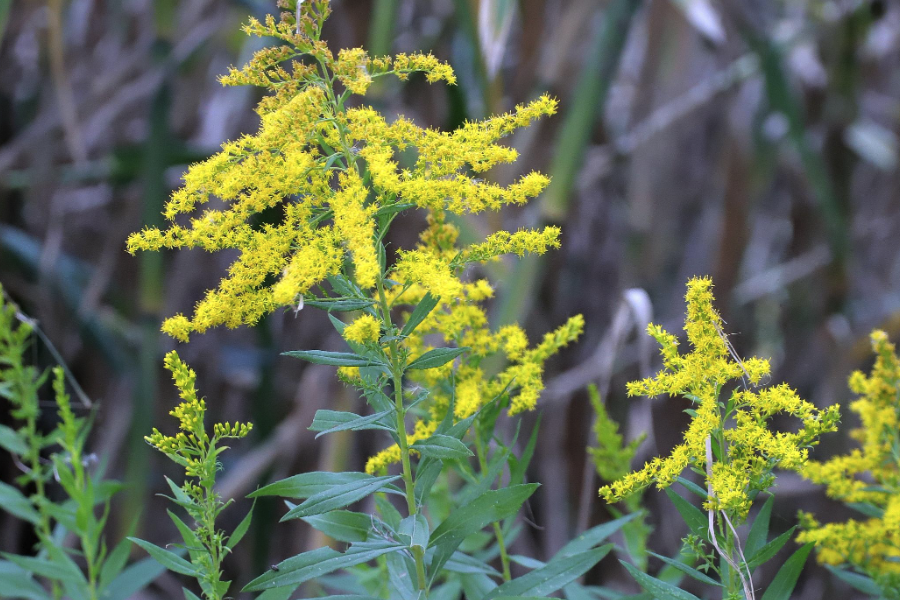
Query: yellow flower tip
[[364, 330], [178, 327]]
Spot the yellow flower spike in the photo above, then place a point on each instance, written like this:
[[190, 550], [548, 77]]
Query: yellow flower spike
[[869, 474], [751, 450], [364, 330]]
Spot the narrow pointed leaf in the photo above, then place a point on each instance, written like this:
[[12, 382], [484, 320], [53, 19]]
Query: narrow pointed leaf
[[770, 549], [492, 506], [554, 575], [343, 525], [169, 560], [305, 485], [759, 531], [860, 582], [331, 421], [422, 310], [687, 570], [309, 565], [436, 358], [11, 442], [696, 520], [442, 447], [241, 530], [785, 580], [660, 589], [595, 535], [338, 497], [133, 579], [339, 304], [16, 504], [335, 359]]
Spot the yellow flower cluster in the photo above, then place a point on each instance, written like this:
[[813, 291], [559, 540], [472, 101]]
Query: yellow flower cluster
[[391, 454], [870, 474], [192, 447], [305, 169], [363, 330], [750, 450]]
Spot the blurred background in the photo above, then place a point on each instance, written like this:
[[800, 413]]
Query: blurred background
[[751, 140]]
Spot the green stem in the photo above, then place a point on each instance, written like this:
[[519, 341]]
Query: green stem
[[498, 531], [400, 409]]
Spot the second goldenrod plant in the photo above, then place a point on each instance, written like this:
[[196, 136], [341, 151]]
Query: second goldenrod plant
[[868, 479], [730, 442], [197, 453]]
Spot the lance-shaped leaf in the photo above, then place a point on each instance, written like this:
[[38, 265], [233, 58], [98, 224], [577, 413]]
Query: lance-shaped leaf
[[442, 447], [492, 506], [335, 359], [436, 358], [660, 589], [309, 565], [338, 496], [169, 560], [331, 421], [422, 310], [305, 485], [552, 576]]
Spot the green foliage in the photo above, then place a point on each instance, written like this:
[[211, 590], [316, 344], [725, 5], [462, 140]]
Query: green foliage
[[88, 571], [198, 453]]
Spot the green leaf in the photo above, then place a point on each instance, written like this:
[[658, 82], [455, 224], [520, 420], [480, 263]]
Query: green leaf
[[342, 525], [492, 506], [786, 578], [241, 530], [395, 208], [687, 570], [339, 304], [11, 442], [436, 358], [770, 549], [133, 579], [279, 593], [517, 471], [696, 520], [17, 582], [305, 485], [169, 560], [870, 510], [338, 496], [759, 531], [595, 535], [416, 529], [189, 595], [16, 504], [442, 447], [316, 563], [692, 487], [114, 563], [862, 583], [335, 359], [330, 421], [422, 310], [461, 562], [660, 589], [58, 567], [554, 575]]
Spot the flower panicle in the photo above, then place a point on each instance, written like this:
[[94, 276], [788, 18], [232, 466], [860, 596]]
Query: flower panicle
[[750, 448]]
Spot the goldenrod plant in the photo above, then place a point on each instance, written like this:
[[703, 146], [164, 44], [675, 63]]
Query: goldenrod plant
[[51, 462], [865, 552], [197, 453], [730, 444], [416, 331], [612, 459]]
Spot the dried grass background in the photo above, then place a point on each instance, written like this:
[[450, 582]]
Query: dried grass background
[[752, 140]]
